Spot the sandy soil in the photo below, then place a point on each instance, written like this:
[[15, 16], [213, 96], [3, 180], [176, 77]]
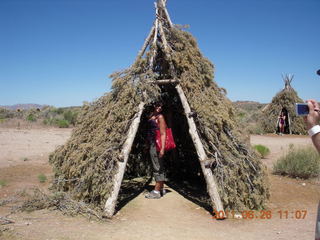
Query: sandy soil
[[171, 217], [23, 145]]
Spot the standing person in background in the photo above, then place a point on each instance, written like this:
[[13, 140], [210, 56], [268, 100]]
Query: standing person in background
[[282, 119]]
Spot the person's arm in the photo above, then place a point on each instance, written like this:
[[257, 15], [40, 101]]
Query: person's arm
[[312, 121], [316, 141], [163, 127]]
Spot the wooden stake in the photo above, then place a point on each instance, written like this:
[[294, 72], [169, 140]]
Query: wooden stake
[[117, 180], [212, 187], [278, 123]]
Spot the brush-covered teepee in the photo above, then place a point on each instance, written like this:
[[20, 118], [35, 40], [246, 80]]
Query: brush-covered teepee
[[107, 144], [284, 101]]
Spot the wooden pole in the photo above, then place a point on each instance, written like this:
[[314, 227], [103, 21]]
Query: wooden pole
[[145, 44], [212, 187], [164, 40], [166, 13], [117, 180], [165, 81], [166, 48], [154, 43], [289, 123]]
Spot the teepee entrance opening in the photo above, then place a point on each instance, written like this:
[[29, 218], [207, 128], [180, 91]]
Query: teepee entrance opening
[[284, 121], [183, 171]]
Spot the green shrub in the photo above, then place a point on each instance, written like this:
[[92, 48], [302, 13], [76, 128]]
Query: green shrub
[[42, 178], [3, 183], [53, 121], [31, 117], [298, 162], [62, 123], [58, 110], [2, 120], [241, 115], [262, 150], [5, 113], [70, 116]]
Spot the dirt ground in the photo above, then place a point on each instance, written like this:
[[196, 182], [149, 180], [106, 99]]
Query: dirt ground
[[24, 154]]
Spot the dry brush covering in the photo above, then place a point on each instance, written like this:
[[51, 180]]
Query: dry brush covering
[[86, 164]]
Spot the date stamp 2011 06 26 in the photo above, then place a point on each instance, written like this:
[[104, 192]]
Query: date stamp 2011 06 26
[[262, 214]]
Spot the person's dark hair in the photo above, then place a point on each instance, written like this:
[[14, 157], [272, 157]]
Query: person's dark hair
[[158, 104]]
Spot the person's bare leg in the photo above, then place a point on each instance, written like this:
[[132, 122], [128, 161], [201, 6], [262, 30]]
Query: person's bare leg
[[158, 186], [156, 193]]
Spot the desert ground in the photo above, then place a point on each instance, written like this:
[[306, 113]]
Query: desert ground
[[24, 155]]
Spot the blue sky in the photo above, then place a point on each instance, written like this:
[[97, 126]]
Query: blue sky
[[61, 52]]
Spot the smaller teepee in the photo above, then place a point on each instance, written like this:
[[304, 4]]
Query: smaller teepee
[[283, 102]]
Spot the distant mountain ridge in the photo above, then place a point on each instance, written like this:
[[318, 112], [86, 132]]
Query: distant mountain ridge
[[246, 102], [26, 106], [248, 105]]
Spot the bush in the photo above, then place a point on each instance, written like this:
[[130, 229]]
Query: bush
[[300, 162], [31, 118], [70, 116], [62, 123], [3, 183], [2, 120], [5, 113], [42, 178], [59, 110], [262, 150]]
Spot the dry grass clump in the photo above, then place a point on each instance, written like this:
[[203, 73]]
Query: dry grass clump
[[303, 162]]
